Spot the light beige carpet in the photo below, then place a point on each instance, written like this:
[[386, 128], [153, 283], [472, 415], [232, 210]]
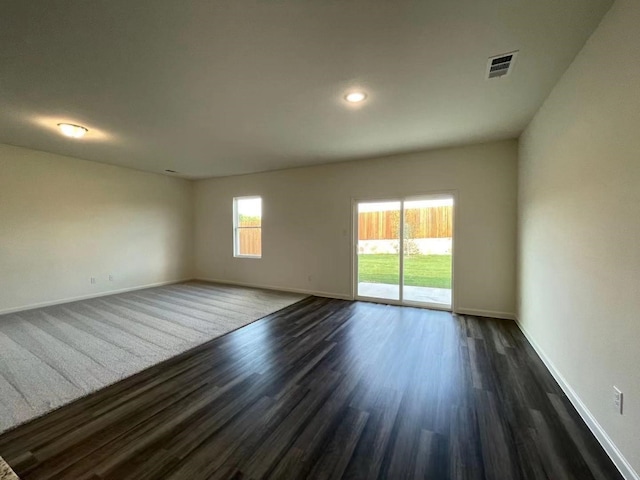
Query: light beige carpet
[[5, 471], [53, 355]]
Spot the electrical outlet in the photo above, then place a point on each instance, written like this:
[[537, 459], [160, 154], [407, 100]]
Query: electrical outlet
[[617, 399], [93, 280]]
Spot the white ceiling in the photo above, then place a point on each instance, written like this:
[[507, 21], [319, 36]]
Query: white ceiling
[[212, 88]]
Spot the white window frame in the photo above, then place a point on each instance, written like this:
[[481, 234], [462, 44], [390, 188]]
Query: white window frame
[[236, 227]]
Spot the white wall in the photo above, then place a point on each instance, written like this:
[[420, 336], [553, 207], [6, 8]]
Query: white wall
[[64, 220], [579, 226], [307, 221]]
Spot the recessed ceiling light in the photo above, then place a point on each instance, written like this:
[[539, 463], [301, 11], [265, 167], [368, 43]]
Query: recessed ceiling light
[[73, 131], [355, 97]]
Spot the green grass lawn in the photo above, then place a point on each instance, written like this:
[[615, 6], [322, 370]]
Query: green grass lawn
[[419, 270]]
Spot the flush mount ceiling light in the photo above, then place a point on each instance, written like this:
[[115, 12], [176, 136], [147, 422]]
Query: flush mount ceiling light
[[355, 97], [73, 131]]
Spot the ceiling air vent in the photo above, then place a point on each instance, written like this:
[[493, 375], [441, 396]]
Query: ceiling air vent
[[501, 65]]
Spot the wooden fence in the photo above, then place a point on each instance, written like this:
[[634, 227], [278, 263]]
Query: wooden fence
[[432, 222], [250, 240]]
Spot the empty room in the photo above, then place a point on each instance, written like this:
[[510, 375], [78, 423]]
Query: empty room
[[320, 239]]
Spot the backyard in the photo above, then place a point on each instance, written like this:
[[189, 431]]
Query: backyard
[[419, 270]]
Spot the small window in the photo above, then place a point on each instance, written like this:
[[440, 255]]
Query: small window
[[247, 227]]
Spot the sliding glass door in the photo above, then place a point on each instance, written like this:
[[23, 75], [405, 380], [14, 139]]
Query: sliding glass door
[[427, 253], [404, 251], [378, 250]]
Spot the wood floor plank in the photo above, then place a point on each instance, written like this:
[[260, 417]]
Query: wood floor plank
[[323, 389], [336, 455]]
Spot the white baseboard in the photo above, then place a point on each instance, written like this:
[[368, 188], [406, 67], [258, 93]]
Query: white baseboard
[[625, 468], [316, 293], [486, 313], [87, 297]]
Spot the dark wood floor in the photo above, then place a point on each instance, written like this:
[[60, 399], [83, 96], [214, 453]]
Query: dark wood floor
[[326, 389]]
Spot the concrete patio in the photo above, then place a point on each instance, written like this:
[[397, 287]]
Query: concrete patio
[[440, 296]]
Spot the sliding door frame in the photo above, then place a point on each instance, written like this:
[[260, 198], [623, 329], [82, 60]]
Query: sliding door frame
[[354, 249]]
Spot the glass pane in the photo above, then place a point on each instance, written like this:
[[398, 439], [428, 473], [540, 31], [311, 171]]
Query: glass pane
[[250, 241], [378, 250], [428, 233], [249, 212]]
